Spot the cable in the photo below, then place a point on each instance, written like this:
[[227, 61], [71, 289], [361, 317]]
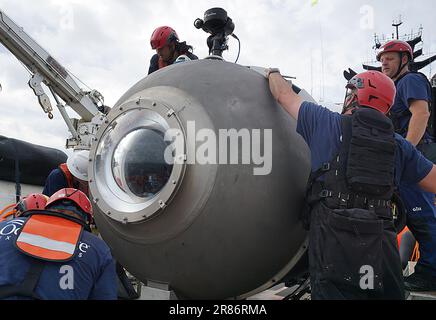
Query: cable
[[7, 208], [68, 71], [25, 67], [72, 74], [239, 50], [7, 212]]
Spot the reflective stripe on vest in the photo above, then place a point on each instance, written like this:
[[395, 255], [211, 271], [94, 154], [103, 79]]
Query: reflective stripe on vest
[[49, 238]]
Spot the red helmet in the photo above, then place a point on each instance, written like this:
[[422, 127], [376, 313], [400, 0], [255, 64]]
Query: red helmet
[[77, 197], [374, 90], [34, 201], [395, 46], [162, 36]]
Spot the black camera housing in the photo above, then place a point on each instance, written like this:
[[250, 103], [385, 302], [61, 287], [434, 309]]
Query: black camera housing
[[220, 26], [217, 21]]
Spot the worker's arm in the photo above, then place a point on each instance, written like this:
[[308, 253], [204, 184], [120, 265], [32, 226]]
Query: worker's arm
[[283, 93], [429, 182], [418, 121], [106, 283]]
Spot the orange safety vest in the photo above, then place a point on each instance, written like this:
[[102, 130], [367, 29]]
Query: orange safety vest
[[50, 238], [68, 176]]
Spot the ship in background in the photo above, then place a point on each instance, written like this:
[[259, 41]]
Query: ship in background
[[414, 39], [255, 263]]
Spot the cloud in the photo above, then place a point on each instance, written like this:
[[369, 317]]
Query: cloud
[[106, 45]]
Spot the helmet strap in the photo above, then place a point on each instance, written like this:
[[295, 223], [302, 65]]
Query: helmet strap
[[351, 106], [401, 66]]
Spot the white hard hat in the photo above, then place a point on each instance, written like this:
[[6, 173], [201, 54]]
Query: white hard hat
[[78, 163]]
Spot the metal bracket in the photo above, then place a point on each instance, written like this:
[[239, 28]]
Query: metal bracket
[[156, 291], [43, 99]]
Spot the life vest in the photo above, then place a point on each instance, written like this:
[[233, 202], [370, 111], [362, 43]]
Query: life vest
[[361, 175], [68, 176], [46, 237], [397, 116]]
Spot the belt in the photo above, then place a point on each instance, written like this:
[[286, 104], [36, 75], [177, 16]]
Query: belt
[[348, 201]]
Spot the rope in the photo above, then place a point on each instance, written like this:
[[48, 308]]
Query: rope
[[415, 255], [7, 212]]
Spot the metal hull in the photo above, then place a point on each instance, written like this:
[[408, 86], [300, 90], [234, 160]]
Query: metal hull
[[225, 232]]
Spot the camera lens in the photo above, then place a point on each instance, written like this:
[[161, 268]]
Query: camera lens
[[198, 23]]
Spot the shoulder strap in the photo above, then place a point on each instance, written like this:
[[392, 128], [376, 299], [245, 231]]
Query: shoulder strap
[[401, 77], [334, 170], [191, 55], [27, 287], [345, 141], [68, 176]]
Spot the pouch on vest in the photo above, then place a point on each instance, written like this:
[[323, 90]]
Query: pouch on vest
[[352, 239], [371, 156], [49, 237]]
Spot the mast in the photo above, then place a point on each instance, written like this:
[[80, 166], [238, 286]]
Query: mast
[[397, 25], [414, 40]]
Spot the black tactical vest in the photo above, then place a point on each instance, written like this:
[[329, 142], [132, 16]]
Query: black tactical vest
[[351, 225], [362, 173]]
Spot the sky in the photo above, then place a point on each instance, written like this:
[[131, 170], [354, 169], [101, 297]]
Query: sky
[[106, 45]]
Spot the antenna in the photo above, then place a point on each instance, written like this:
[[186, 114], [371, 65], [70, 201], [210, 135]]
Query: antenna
[[397, 24], [376, 41]]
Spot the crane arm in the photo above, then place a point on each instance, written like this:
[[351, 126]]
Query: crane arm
[[45, 69]]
